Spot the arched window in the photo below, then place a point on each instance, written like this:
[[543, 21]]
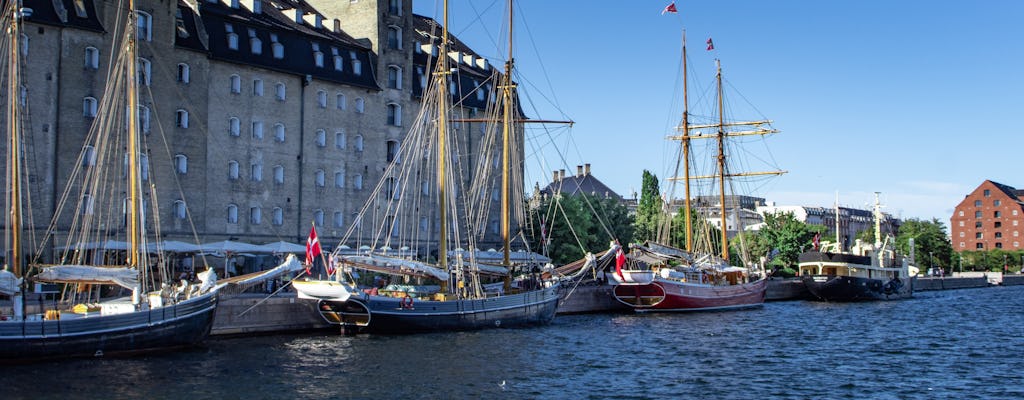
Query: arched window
[[87, 204], [357, 67], [340, 139], [392, 150], [279, 91], [339, 63], [145, 71], [181, 164], [278, 49], [339, 179], [234, 126], [320, 178], [359, 105], [278, 216], [321, 138], [394, 77], [89, 106], [236, 84], [232, 170], [357, 182], [321, 99], [339, 219], [394, 114], [318, 217], [179, 209], [144, 26], [257, 130], [255, 215], [359, 142], [257, 87], [232, 36], [181, 118], [144, 119], [425, 188], [92, 58], [279, 132], [88, 156], [278, 174], [255, 45], [395, 7], [256, 172], [184, 73], [341, 101], [232, 214], [394, 38]]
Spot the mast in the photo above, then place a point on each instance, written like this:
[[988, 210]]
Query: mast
[[721, 160], [441, 76], [878, 223], [506, 170], [686, 151], [14, 141], [134, 228], [840, 246]]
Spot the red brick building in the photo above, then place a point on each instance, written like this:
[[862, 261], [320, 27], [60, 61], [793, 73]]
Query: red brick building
[[990, 217]]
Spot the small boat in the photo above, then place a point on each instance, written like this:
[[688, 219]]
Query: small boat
[[867, 272], [159, 313]]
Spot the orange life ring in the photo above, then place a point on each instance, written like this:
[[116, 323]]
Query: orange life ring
[[407, 301]]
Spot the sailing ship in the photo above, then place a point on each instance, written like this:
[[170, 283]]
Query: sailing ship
[[866, 272], [158, 314], [447, 288], [656, 276]]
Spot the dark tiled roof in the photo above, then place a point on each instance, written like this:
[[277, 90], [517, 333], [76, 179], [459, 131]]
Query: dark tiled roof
[[277, 17], [1009, 190], [577, 184], [187, 30], [63, 13], [427, 31]]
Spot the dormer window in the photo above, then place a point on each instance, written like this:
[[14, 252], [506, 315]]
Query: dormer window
[[255, 44], [232, 36], [276, 46], [339, 63]]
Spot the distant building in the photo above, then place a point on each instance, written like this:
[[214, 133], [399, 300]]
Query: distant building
[[990, 217], [851, 220], [581, 183]]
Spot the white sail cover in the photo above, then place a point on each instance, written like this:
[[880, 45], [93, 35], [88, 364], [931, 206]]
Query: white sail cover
[[398, 265], [125, 277], [9, 283]]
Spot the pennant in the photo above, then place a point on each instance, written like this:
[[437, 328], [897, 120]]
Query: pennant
[[671, 8], [312, 248], [711, 46]]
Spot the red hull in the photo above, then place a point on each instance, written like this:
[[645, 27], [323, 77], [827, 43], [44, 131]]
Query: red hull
[[666, 295]]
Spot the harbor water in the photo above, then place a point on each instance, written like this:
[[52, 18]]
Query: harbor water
[[964, 344]]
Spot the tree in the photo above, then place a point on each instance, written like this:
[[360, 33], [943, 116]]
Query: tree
[[575, 225], [782, 239], [649, 209], [931, 243]]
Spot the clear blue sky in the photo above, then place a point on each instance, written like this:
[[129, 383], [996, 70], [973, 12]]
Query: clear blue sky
[[919, 100]]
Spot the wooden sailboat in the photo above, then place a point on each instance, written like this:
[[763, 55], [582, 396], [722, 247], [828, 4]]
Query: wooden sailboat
[[449, 289], [661, 277], [151, 318]]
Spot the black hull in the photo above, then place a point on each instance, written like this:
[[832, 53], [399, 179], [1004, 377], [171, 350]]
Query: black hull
[[390, 315], [181, 325], [851, 289]]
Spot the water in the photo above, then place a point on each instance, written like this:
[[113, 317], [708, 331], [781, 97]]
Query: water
[[964, 344]]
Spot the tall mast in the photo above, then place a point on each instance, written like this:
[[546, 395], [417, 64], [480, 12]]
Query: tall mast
[[878, 222], [686, 150], [134, 228], [14, 141], [441, 76], [721, 160], [506, 155], [840, 246]]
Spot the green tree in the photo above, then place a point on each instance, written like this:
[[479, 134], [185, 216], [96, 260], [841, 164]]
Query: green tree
[[575, 225], [649, 209], [931, 243], [782, 239]]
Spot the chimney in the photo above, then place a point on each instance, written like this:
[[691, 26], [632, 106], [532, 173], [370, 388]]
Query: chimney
[[561, 174], [337, 25], [586, 169], [579, 171], [554, 176], [298, 15]]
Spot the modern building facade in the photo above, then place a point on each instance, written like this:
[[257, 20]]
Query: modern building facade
[[990, 217]]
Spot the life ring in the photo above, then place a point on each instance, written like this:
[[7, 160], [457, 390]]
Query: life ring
[[406, 301]]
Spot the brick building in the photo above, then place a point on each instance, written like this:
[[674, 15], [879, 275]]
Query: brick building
[[990, 217]]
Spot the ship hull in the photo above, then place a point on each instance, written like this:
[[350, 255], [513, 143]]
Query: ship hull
[[184, 324], [840, 288], [670, 296], [382, 314]]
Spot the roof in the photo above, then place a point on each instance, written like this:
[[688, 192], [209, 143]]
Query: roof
[[63, 13], [582, 182]]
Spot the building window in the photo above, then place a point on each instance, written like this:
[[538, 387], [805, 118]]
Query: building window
[[279, 132], [236, 84], [977, 224], [89, 106], [183, 73], [394, 38], [395, 7], [87, 204], [278, 174], [999, 235], [424, 224], [339, 63], [977, 203], [88, 156], [359, 105], [394, 77], [358, 143], [255, 215], [980, 246], [181, 118], [256, 172], [979, 235], [278, 49], [998, 224], [255, 44], [997, 214], [232, 36], [279, 91], [321, 138], [392, 151], [92, 58], [257, 87], [977, 214], [339, 140], [999, 245], [962, 234], [145, 71], [394, 114], [357, 67], [144, 26], [319, 179], [278, 216], [961, 213], [232, 170], [997, 203], [425, 188], [179, 209], [339, 219], [318, 56], [339, 179], [961, 223], [321, 99], [234, 127], [987, 193], [181, 164], [318, 217], [357, 182], [257, 130], [144, 118], [341, 101], [232, 214]]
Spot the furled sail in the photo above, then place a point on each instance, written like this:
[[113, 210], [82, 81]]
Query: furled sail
[[124, 277]]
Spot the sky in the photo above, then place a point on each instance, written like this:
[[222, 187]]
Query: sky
[[917, 100]]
